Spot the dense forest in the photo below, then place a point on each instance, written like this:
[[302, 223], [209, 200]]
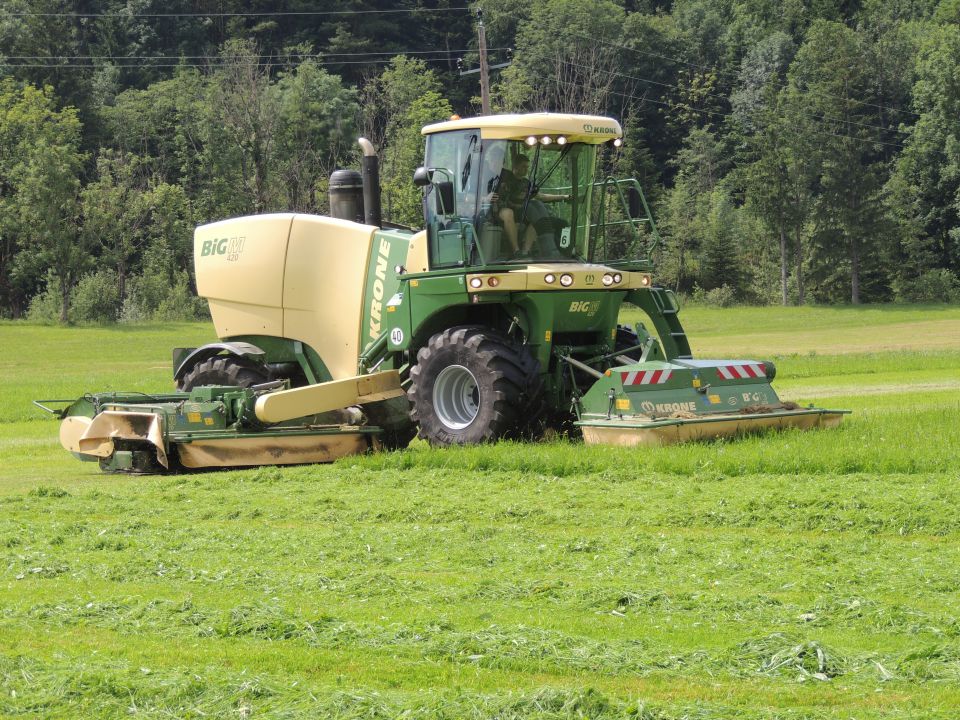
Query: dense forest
[[795, 151]]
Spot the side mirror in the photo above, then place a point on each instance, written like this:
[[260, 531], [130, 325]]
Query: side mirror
[[421, 177], [633, 201], [445, 198]]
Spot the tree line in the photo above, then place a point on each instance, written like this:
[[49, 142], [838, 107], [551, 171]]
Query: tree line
[[795, 152]]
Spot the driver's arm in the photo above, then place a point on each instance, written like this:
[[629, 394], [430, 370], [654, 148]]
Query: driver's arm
[[546, 197]]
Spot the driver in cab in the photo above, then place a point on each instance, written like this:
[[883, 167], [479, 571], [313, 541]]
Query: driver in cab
[[508, 199]]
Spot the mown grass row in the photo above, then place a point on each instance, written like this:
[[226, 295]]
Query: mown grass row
[[867, 442], [509, 485], [795, 575], [531, 580], [116, 689], [781, 654]]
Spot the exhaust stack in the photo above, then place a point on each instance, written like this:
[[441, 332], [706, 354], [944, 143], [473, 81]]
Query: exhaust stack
[[370, 170]]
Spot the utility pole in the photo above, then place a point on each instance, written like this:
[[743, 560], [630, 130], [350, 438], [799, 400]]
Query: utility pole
[[484, 68]]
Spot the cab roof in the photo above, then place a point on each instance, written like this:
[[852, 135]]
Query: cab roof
[[593, 129]]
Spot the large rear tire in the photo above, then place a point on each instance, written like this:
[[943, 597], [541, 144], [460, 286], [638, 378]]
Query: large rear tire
[[473, 385], [224, 370]]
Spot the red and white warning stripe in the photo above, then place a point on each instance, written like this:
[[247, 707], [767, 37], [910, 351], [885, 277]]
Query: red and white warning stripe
[[646, 377], [741, 372]]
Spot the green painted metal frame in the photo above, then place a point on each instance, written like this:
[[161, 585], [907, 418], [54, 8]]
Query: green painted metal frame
[[633, 222]]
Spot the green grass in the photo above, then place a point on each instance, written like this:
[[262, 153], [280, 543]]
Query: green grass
[[797, 575], [818, 330]]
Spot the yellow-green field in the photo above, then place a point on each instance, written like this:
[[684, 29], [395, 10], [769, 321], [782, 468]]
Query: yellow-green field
[[799, 575]]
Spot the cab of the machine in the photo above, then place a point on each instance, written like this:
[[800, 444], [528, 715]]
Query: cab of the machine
[[514, 189]]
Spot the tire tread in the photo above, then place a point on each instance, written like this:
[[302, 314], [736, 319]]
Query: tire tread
[[514, 378]]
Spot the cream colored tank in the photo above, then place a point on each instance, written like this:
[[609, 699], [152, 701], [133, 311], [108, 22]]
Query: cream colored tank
[[287, 275]]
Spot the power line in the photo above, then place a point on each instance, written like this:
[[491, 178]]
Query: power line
[[726, 99], [898, 111], [726, 115], [678, 61], [227, 63], [709, 67], [57, 62], [318, 13], [305, 56]]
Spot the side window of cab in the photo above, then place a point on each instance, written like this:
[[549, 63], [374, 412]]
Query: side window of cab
[[452, 160]]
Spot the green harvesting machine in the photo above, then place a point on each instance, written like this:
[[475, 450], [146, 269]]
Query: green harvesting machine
[[499, 319]]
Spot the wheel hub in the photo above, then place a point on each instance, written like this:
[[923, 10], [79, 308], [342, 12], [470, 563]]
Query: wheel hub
[[456, 397]]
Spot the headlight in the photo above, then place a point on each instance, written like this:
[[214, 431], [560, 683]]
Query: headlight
[[617, 277], [531, 141], [549, 278], [493, 282], [608, 279], [645, 281], [476, 282], [566, 280]]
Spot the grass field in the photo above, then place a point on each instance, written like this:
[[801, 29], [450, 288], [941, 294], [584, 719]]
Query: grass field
[[799, 575]]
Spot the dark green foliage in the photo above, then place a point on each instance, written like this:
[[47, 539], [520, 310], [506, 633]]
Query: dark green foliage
[[935, 286], [831, 128], [405, 97]]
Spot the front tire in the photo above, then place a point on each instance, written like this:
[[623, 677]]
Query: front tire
[[473, 385]]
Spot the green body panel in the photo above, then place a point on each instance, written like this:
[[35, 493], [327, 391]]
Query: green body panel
[[694, 393], [397, 320], [579, 323], [566, 320], [690, 388], [284, 350], [433, 294], [389, 250], [448, 247]]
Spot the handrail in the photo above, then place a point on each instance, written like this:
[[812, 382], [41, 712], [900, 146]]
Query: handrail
[[470, 244], [634, 222], [373, 351]]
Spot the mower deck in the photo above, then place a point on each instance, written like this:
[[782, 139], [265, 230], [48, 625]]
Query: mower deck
[[659, 403], [642, 431], [209, 427]]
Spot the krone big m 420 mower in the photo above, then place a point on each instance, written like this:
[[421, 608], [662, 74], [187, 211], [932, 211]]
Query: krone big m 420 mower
[[499, 319]]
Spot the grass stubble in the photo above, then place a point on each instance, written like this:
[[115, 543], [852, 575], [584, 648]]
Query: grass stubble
[[797, 575]]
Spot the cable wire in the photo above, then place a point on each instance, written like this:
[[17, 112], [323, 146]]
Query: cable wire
[[726, 115], [214, 63], [708, 67], [726, 99], [311, 13], [262, 57]]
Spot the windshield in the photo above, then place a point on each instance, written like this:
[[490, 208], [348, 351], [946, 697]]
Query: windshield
[[506, 201]]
